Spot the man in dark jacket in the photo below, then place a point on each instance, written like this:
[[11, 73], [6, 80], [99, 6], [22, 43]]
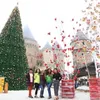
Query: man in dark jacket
[[30, 82]]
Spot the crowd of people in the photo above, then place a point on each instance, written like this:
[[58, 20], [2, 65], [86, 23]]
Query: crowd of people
[[42, 79]]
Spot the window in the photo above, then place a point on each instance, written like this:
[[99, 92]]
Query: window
[[83, 43]]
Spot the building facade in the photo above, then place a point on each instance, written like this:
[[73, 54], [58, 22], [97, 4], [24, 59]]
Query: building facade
[[47, 56], [53, 56], [82, 55], [32, 47]]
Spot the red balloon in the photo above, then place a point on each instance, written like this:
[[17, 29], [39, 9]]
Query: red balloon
[[55, 19], [55, 56], [58, 70], [73, 67], [68, 35], [73, 28], [46, 50], [75, 78], [79, 24], [64, 50], [68, 63], [63, 31], [84, 63], [78, 50], [46, 67], [72, 48], [52, 48], [62, 22], [56, 27], [62, 40], [61, 34], [49, 33], [45, 64], [54, 37], [64, 45], [75, 71], [39, 46], [63, 37], [51, 61], [51, 41], [73, 19], [58, 46], [68, 48], [57, 65]]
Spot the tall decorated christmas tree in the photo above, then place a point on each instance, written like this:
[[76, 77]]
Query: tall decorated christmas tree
[[13, 60]]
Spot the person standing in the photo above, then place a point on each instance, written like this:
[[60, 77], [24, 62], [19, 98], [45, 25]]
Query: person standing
[[56, 81], [42, 83], [37, 81], [30, 82], [49, 82]]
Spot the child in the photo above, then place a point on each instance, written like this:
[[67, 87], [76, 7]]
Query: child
[[30, 82], [37, 81], [56, 80]]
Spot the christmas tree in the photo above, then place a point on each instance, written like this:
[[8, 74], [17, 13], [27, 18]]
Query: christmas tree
[[13, 60]]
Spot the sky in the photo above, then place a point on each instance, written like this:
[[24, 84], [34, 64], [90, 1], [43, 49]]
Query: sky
[[39, 15]]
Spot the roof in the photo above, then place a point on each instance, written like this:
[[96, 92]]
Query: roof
[[47, 46], [27, 33], [56, 45], [80, 36]]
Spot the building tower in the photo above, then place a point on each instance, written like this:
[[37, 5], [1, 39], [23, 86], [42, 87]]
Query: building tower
[[32, 47], [58, 56], [82, 55], [47, 56]]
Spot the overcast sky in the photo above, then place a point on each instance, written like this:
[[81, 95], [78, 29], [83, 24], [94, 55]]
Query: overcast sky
[[40, 15]]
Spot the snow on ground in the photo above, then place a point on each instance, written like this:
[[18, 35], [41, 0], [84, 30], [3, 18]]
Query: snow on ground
[[23, 95]]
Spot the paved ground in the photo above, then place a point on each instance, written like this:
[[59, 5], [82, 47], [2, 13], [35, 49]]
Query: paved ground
[[22, 95]]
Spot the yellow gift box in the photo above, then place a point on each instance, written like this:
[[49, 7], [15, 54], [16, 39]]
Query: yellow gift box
[[1, 89], [2, 79]]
